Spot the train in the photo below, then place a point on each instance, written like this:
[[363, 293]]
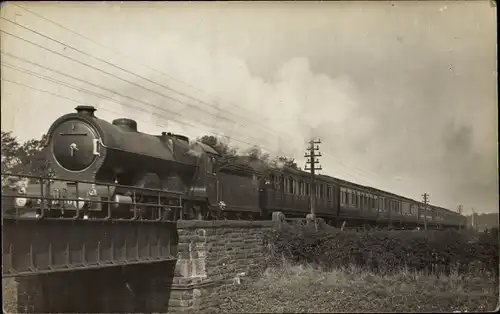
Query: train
[[102, 170]]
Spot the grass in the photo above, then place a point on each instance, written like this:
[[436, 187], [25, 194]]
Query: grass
[[9, 295], [301, 289]]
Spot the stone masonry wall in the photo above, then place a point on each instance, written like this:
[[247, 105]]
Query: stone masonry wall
[[213, 257]]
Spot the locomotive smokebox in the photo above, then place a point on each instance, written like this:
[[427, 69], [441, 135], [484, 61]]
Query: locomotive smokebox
[[126, 124], [86, 110]]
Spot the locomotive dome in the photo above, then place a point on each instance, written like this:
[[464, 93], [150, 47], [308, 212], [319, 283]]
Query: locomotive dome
[[126, 124]]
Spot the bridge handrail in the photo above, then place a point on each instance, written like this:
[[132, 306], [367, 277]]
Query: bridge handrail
[[45, 181], [107, 184]]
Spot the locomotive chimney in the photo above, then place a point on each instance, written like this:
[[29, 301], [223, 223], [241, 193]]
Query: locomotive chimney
[[127, 124], [86, 110]]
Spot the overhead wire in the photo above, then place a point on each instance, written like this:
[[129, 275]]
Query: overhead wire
[[105, 97], [98, 95], [57, 95], [88, 65], [132, 73], [169, 97], [349, 174], [95, 85], [124, 55]]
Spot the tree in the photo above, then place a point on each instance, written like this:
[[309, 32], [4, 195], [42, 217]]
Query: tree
[[255, 153], [10, 147], [26, 158], [277, 162], [32, 159], [219, 146], [282, 161]]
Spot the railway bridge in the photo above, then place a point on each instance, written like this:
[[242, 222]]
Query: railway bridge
[[70, 264]]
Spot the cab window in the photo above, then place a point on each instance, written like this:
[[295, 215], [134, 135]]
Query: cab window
[[210, 165]]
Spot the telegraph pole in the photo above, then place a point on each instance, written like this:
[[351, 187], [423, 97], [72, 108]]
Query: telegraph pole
[[474, 222], [312, 162], [426, 201]]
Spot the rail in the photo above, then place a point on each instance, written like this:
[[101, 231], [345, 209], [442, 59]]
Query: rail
[[48, 199]]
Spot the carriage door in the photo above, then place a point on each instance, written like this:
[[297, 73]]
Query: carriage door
[[211, 181]]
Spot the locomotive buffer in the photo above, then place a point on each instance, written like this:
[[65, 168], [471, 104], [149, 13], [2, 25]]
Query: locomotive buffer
[[312, 162]]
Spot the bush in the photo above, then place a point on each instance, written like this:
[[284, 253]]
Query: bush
[[385, 251]]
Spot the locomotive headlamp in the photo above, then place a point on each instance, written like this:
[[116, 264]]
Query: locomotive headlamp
[[92, 191], [21, 201]]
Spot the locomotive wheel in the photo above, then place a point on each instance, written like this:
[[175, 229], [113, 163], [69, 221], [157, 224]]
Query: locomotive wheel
[[198, 212]]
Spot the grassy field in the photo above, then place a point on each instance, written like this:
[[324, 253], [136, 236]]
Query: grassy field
[[9, 295], [296, 289]]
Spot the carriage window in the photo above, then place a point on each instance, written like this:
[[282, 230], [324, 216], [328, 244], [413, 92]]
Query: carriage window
[[328, 193], [290, 185], [281, 183], [272, 180], [308, 189]]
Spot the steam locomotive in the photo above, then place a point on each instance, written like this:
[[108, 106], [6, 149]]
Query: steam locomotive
[[103, 170]]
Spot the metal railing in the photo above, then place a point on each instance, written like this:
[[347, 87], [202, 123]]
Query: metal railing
[[47, 198]]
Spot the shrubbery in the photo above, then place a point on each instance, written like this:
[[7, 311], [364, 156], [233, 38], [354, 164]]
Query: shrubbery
[[386, 251]]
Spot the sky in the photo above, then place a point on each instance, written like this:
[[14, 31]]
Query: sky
[[403, 95]]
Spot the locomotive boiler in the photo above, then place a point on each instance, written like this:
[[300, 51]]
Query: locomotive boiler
[[111, 170]]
